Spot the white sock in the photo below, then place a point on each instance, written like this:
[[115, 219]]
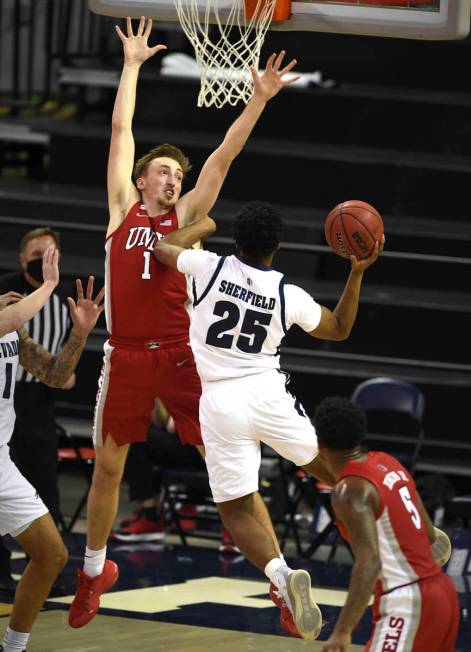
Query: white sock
[[94, 561], [277, 571], [15, 641]]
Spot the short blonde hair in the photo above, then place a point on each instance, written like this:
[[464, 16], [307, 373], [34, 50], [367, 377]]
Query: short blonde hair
[[169, 151]]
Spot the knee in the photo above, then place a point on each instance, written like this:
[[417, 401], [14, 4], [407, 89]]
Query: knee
[[52, 559], [107, 475]]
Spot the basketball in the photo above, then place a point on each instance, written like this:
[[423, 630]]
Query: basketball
[[353, 227]]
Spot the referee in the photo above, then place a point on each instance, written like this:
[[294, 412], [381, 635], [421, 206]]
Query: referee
[[33, 446]]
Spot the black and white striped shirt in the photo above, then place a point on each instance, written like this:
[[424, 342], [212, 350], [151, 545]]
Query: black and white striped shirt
[[50, 326]]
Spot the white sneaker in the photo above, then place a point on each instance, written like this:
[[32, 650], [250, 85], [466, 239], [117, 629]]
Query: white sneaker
[[306, 614]]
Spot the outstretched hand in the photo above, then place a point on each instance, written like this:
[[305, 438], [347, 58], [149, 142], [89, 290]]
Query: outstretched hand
[[136, 49], [362, 264], [86, 311], [271, 82]]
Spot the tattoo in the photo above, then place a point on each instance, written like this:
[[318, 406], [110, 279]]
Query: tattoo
[[53, 370]]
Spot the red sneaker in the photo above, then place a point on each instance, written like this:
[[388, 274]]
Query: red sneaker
[[142, 529], [227, 544], [127, 520], [286, 617], [187, 524], [89, 589]]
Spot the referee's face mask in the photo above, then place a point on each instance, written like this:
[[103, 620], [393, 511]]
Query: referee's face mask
[[31, 258]]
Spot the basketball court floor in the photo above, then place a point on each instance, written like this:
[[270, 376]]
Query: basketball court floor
[[179, 599]]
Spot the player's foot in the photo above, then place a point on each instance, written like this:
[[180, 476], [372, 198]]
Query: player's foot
[[1, 649], [286, 617], [306, 614], [89, 589], [135, 516], [142, 529], [227, 544]]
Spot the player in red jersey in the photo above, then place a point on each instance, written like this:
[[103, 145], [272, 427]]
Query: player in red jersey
[[395, 545], [148, 352]]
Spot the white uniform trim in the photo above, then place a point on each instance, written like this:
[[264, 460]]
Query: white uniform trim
[[400, 613], [103, 382], [395, 569]]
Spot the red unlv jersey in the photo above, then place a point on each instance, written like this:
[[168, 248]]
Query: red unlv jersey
[[145, 300], [404, 546]]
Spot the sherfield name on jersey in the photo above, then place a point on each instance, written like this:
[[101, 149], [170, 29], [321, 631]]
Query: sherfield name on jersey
[[239, 292]]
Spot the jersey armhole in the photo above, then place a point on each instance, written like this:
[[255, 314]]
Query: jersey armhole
[[211, 281], [281, 289], [381, 505], [118, 228]]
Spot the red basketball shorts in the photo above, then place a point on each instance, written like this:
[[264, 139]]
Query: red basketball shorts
[[419, 617], [131, 378]]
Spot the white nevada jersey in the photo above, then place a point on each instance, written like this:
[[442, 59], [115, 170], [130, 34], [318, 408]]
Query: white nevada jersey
[[9, 347], [242, 311]]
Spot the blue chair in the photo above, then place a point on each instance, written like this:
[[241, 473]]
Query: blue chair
[[394, 409]]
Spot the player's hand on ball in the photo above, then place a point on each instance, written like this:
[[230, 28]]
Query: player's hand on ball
[[441, 548], [271, 82], [86, 311], [362, 264], [136, 49]]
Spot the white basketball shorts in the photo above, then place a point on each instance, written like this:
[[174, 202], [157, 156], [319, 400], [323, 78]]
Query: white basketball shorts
[[236, 415], [20, 504]]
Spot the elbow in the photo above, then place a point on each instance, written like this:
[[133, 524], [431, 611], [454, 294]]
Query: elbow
[[210, 226], [118, 126]]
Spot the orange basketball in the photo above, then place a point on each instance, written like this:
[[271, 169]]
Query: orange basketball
[[353, 227]]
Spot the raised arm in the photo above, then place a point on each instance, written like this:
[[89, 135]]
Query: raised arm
[[55, 370], [201, 199], [121, 191], [355, 502], [16, 309], [337, 324]]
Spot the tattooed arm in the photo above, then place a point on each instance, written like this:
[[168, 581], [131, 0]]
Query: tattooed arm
[[55, 370]]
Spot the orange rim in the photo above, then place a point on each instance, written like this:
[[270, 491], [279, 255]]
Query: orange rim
[[282, 9]]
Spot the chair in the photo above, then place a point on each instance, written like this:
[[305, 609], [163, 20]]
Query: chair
[[77, 457], [190, 485], [394, 409]]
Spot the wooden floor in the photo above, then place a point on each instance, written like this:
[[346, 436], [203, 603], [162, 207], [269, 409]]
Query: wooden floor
[[109, 633]]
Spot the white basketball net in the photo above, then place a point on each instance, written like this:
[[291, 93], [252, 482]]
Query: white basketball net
[[225, 62]]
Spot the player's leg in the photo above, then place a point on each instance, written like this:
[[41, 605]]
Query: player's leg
[[229, 420], [124, 404], [47, 557], [241, 517], [103, 498], [24, 516]]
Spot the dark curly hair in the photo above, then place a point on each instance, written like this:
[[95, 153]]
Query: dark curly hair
[[339, 424], [257, 229]]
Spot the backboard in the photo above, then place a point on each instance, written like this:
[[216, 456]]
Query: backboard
[[417, 19]]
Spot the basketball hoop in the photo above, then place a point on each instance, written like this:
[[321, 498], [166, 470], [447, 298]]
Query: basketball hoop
[[227, 36]]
